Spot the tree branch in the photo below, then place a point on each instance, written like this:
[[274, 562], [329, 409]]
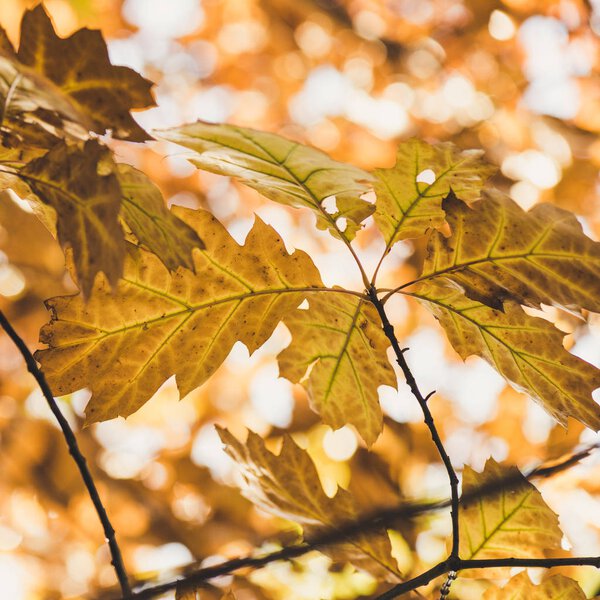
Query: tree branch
[[380, 518], [109, 532], [414, 388]]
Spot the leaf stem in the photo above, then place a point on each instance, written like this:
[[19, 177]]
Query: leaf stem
[[109, 532], [388, 329]]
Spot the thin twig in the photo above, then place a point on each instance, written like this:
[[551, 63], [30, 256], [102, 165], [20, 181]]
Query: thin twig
[[376, 520], [388, 329], [109, 532], [487, 563]]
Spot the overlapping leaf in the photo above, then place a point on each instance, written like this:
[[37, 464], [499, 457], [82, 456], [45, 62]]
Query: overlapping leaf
[[288, 485], [526, 350], [281, 170], [497, 251], [514, 522], [406, 208], [74, 77], [156, 227], [124, 343], [520, 587], [338, 352], [79, 183]]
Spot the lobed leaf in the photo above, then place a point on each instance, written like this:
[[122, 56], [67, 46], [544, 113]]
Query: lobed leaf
[[499, 252], [124, 343], [152, 223], [407, 208], [80, 185], [288, 486], [526, 350], [520, 587], [80, 68], [514, 522], [280, 169], [338, 353]]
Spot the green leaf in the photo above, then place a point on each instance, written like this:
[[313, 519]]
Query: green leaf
[[407, 208], [512, 523], [526, 350], [497, 252], [124, 343], [152, 223], [338, 353], [79, 184], [281, 170], [520, 587], [288, 485]]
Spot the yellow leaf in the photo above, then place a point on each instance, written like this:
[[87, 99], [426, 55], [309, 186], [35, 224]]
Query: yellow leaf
[[497, 251], [80, 68], [520, 587], [281, 170], [156, 227], [87, 200], [512, 523], [338, 352], [288, 486], [526, 350], [124, 343], [406, 208]]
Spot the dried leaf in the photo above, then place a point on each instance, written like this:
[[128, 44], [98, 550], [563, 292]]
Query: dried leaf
[[281, 170], [520, 587], [407, 208], [526, 350], [152, 223], [288, 485], [515, 522], [497, 251], [123, 344], [87, 200], [338, 353], [80, 68]]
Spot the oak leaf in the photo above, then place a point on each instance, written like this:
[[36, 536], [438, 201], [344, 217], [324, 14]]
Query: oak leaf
[[80, 185], [280, 169], [497, 251], [514, 522], [157, 228], [526, 350], [520, 587], [80, 68], [406, 207], [124, 343], [338, 353], [288, 485]]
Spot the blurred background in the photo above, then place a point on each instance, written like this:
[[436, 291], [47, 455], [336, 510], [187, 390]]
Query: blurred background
[[518, 78]]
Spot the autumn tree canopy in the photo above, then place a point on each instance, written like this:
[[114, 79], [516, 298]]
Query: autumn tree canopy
[[300, 299]]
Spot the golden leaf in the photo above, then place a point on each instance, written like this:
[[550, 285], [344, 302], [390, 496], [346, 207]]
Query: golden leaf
[[338, 353], [80, 68], [288, 485], [514, 522], [520, 587], [123, 344], [526, 350], [156, 227], [87, 200], [497, 251], [281, 170], [406, 208]]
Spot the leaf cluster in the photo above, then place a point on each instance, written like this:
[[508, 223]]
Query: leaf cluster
[[169, 292]]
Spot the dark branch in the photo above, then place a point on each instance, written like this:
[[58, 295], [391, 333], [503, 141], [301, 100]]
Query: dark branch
[[414, 388], [369, 522], [109, 532]]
